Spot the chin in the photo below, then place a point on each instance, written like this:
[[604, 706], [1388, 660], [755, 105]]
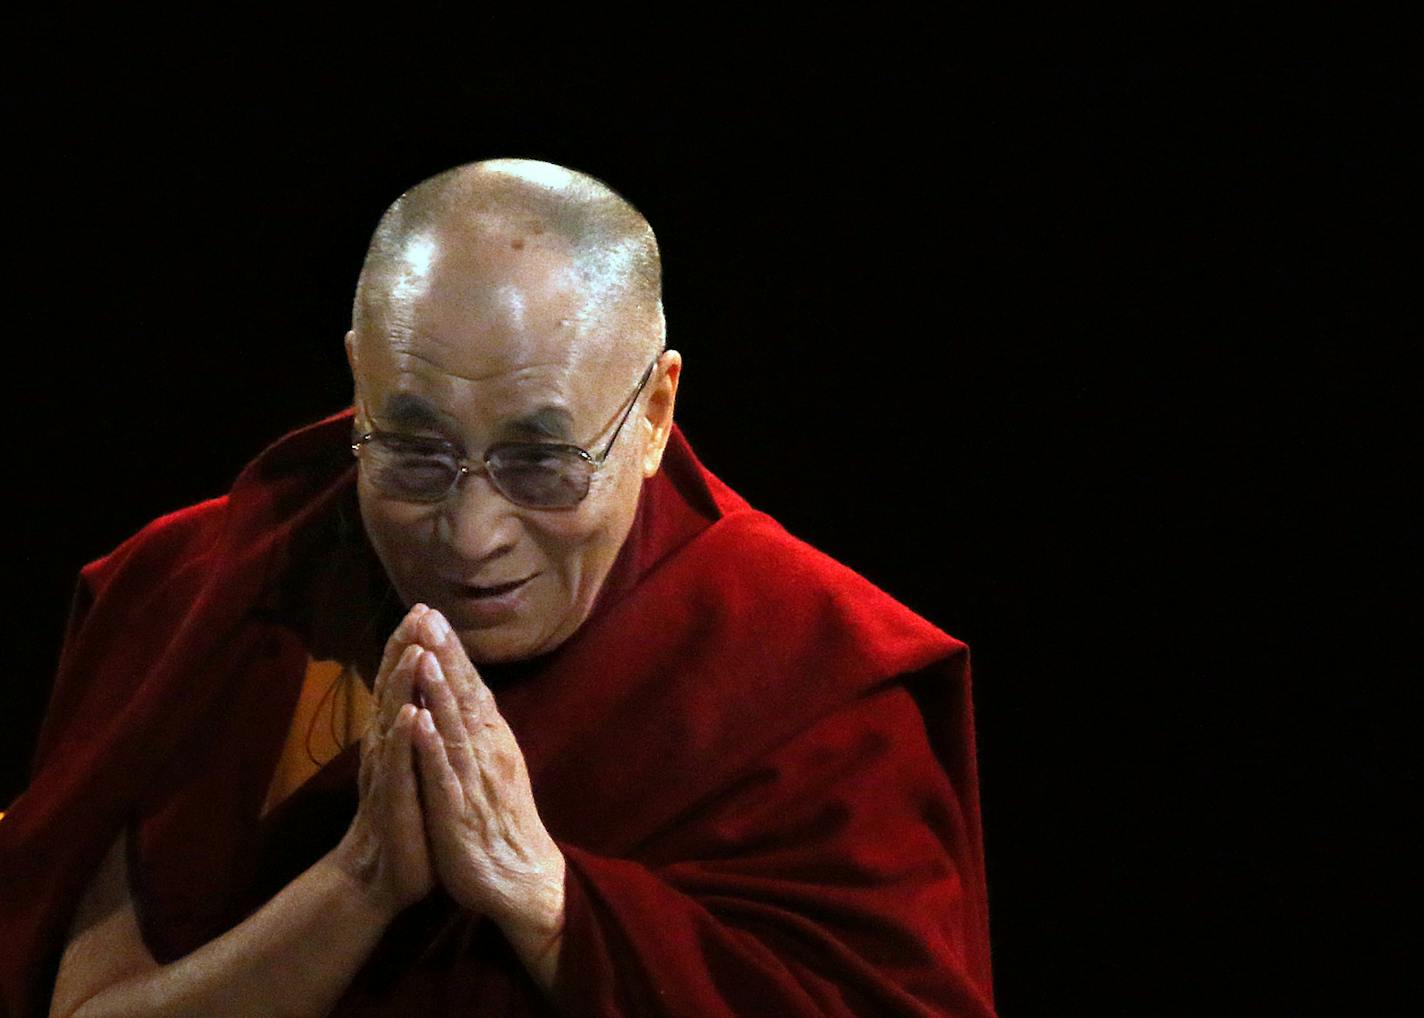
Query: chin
[[489, 646]]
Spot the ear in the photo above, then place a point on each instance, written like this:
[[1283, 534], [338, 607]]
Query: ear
[[355, 377], [657, 418]]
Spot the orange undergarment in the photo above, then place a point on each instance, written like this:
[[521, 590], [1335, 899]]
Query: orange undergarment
[[333, 711]]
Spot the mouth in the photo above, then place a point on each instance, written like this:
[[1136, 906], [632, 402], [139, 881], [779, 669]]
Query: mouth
[[482, 592], [481, 606]]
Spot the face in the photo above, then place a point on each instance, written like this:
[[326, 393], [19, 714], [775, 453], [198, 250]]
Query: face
[[489, 342]]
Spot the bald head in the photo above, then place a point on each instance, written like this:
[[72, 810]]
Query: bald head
[[497, 208]]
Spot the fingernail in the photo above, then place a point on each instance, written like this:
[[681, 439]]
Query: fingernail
[[433, 669], [439, 628], [427, 723]]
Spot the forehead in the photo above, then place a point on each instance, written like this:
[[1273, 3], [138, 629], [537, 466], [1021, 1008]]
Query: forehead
[[408, 409], [495, 331]]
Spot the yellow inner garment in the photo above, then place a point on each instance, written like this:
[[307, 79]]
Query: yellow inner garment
[[333, 711]]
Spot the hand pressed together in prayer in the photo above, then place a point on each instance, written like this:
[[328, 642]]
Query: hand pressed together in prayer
[[385, 849], [469, 820]]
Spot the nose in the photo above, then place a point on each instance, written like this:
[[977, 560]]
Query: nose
[[476, 522]]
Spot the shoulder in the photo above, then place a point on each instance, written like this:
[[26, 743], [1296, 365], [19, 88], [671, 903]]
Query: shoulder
[[770, 574], [166, 544], [747, 571], [272, 497]]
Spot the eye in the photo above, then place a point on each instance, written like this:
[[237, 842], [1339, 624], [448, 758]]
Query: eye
[[419, 447], [414, 467], [533, 456], [420, 462]]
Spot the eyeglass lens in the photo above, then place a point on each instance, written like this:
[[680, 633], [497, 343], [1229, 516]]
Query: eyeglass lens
[[532, 475]]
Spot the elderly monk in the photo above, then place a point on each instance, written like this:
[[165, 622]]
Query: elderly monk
[[520, 710]]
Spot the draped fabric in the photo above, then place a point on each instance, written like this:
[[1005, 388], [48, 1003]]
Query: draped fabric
[[334, 708], [760, 768]]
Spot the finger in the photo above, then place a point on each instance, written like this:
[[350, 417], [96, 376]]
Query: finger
[[399, 640], [444, 710], [441, 792], [410, 842], [386, 771], [470, 691], [400, 768], [370, 750], [397, 689], [372, 741]]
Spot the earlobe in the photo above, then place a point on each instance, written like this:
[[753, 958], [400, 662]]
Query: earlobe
[[660, 416], [652, 448]]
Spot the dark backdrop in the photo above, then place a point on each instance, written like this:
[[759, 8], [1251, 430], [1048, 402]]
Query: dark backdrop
[[1091, 362]]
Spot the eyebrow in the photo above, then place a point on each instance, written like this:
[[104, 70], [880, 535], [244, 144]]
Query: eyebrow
[[405, 411], [549, 421]]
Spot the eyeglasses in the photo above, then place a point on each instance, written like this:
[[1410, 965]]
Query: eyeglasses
[[535, 475]]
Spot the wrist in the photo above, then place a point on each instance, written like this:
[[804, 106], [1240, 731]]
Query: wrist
[[351, 878], [535, 926]]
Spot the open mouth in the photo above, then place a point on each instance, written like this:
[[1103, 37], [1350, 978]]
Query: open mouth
[[497, 590]]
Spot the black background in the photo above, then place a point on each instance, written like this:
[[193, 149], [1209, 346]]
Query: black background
[[1096, 360]]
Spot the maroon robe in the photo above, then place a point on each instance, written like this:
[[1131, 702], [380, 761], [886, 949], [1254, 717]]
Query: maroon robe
[[760, 768]]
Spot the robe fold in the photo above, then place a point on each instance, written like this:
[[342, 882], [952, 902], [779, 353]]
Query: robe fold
[[760, 768]]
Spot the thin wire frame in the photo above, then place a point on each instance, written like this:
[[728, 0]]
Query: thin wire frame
[[465, 468]]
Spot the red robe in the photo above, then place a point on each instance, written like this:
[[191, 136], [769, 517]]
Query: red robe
[[760, 768]]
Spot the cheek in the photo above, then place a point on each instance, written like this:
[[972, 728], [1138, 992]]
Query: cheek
[[565, 540], [588, 537], [392, 528]]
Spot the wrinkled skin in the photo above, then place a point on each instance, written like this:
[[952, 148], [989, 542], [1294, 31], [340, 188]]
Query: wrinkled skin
[[484, 336], [471, 820], [490, 848], [482, 327], [385, 849]]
